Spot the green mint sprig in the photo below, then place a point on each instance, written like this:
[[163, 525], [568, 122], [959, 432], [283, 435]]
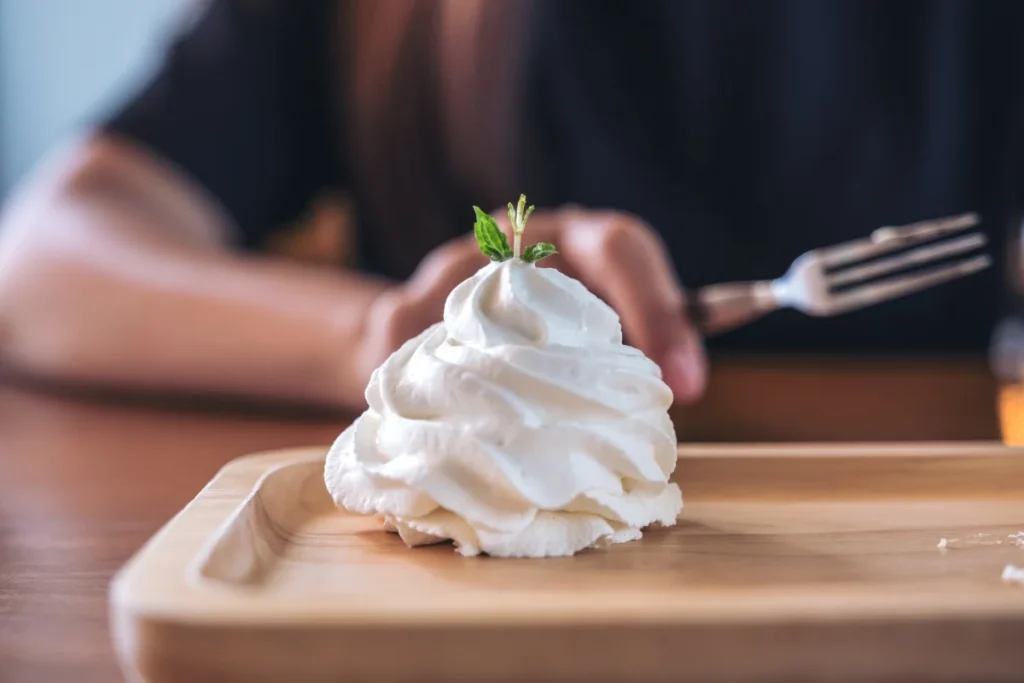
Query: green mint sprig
[[535, 252], [493, 243], [490, 238]]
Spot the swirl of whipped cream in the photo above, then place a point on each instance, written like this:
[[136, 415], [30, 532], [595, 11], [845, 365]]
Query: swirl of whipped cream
[[519, 426]]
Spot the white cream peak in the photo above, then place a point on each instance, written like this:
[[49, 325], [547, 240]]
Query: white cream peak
[[520, 426]]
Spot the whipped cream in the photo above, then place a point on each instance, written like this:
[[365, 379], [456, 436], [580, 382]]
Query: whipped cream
[[520, 426]]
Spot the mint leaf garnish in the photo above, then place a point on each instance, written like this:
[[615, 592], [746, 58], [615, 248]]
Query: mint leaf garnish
[[535, 252], [489, 237], [492, 254], [493, 243]]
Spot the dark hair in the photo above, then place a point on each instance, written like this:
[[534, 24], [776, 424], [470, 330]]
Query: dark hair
[[433, 116]]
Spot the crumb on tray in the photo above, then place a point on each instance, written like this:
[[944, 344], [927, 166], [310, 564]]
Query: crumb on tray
[[1012, 574]]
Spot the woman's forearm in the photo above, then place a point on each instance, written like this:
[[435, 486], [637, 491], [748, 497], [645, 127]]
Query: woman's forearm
[[102, 288]]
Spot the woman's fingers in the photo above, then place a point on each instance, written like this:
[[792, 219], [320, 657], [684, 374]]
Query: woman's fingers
[[621, 258], [442, 270]]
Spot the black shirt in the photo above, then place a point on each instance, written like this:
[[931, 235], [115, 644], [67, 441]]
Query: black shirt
[[745, 131]]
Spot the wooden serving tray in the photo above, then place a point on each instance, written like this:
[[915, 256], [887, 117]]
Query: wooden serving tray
[[790, 562]]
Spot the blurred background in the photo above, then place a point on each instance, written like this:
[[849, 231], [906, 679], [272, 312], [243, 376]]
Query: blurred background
[[63, 63], [67, 65]]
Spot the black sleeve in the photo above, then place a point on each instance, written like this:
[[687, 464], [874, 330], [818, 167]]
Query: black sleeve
[[244, 104]]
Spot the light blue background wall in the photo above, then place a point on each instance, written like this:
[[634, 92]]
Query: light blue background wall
[[63, 62]]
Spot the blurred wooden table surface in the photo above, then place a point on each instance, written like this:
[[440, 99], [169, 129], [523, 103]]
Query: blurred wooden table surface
[[83, 485]]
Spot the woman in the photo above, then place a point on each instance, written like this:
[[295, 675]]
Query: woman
[[716, 140]]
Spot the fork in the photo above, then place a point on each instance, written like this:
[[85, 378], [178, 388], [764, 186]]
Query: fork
[[845, 277]]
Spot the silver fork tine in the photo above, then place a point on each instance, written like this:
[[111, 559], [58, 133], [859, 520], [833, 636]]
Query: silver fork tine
[[809, 284], [900, 286], [935, 227], [926, 254], [885, 240]]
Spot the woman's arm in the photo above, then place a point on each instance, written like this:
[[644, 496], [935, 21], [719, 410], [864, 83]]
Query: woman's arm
[[114, 270], [114, 263]]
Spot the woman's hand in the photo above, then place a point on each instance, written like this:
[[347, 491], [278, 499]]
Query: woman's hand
[[616, 255]]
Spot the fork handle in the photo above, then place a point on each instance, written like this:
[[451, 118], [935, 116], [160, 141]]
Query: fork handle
[[718, 308]]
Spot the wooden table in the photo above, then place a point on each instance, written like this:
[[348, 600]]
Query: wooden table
[[83, 485]]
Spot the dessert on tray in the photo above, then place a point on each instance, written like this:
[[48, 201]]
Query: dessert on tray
[[519, 426]]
